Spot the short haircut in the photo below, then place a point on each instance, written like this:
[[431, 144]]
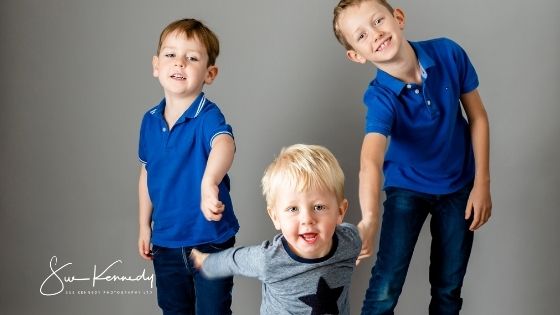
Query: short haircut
[[342, 5], [192, 28], [303, 167]]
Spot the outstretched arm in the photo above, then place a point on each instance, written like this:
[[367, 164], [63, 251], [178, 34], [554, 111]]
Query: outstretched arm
[[479, 204], [219, 162], [371, 171]]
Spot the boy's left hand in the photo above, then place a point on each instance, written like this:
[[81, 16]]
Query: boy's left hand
[[479, 206], [210, 205], [198, 258]]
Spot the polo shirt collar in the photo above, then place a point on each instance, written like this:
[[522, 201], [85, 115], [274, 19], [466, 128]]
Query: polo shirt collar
[[192, 112], [397, 85], [196, 107]]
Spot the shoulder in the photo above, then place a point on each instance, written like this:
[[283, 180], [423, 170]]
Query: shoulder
[[441, 42], [442, 46], [377, 94], [152, 111], [348, 234], [209, 108]]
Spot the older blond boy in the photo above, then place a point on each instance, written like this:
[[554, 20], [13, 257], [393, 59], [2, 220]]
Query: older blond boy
[[437, 162]]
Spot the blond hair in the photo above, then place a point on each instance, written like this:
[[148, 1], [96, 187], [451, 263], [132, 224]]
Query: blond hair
[[343, 5], [192, 28], [303, 167]]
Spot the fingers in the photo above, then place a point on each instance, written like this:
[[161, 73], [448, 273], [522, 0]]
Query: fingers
[[480, 218], [364, 254], [481, 215], [197, 258], [468, 209], [144, 250], [213, 211]]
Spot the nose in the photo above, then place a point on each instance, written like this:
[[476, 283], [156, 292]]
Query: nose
[[180, 62], [307, 217], [377, 34]]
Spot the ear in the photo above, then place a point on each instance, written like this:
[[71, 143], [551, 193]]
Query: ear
[[155, 67], [274, 218], [399, 16], [211, 74], [342, 207], [355, 57]]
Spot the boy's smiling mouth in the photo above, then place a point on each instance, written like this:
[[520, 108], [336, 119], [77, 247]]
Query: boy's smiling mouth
[[178, 76], [309, 238], [386, 42]]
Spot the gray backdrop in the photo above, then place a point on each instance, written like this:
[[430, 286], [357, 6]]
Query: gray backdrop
[[77, 78]]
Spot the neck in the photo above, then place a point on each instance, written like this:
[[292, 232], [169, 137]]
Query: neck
[[405, 67], [175, 107]]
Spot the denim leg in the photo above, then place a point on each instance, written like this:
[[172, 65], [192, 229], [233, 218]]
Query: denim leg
[[450, 251], [174, 282], [213, 297], [404, 214]]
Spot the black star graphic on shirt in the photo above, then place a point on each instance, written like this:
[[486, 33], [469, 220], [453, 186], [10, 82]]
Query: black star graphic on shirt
[[325, 300]]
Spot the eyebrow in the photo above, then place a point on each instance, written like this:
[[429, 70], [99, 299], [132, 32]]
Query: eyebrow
[[370, 17]]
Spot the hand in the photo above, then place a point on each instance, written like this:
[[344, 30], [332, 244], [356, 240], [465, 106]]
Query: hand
[[144, 243], [210, 205], [479, 205], [367, 231], [198, 258]]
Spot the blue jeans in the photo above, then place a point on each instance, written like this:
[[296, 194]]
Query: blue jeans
[[404, 214], [181, 288]]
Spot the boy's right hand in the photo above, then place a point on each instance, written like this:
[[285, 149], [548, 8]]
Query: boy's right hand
[[144, 243], [210, 205]]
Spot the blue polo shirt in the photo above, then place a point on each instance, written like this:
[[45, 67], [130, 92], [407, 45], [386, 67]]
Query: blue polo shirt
[[430, 149], [175, 161]]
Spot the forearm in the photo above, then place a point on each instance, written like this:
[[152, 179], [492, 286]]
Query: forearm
[[369, 193], [480, 135], [144, 202], [371, 174], [220, 160]]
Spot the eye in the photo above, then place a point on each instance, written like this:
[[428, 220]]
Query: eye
[[192, 58], [361, 36], [169, 55], [378, 21], [320, 207], [291, 209]]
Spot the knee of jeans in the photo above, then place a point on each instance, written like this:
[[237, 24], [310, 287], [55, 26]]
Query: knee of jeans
[[385, 289], [448, 292]]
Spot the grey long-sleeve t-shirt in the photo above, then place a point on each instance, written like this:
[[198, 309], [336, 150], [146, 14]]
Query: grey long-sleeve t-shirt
[[291, 284]]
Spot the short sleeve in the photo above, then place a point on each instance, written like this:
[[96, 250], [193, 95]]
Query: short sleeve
[[353, 235], [467, 74], [142, 145], [379, 111], [214, 124]]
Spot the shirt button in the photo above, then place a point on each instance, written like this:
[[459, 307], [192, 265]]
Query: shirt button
[[429, 103], [408, 86], [163, 129], [417, 91]]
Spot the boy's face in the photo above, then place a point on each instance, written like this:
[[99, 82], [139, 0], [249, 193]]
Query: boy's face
[[307, 220], [374, 33], [181, 66]]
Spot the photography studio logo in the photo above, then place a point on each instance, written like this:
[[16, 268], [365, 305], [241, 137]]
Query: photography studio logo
[[104, 280]]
